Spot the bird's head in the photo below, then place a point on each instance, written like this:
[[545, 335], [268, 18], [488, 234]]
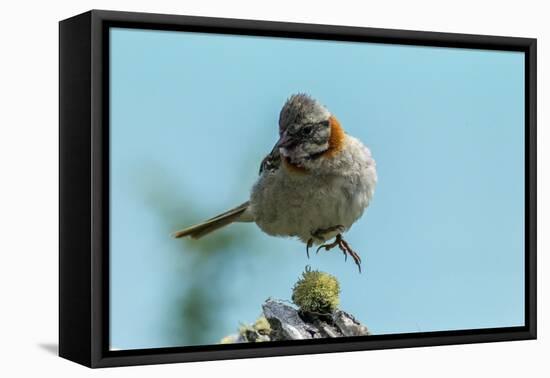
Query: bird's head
[[307, 131]]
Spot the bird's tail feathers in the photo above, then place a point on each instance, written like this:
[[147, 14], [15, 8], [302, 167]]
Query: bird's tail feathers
[[199, 230]]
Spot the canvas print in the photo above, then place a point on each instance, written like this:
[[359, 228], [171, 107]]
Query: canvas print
[[267, 189]]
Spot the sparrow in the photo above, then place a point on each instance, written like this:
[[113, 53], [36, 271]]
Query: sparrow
[[314, 185]]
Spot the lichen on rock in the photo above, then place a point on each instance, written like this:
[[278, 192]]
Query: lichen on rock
[[255, 333], [316, 292], [316, 295], [290, 323]]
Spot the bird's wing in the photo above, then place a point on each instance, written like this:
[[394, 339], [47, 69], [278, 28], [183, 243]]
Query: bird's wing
[[271, 162]]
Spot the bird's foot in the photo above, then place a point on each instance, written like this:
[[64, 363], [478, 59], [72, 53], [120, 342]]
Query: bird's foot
[[344, 247], [320, 235]]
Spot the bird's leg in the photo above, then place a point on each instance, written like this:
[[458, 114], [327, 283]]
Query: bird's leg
[[323, 232], [320, 235], [345, 248]]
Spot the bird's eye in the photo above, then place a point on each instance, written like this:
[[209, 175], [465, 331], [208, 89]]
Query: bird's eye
[[306, 130]]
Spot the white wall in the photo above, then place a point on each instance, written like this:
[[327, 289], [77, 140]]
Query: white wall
[[28, 200]]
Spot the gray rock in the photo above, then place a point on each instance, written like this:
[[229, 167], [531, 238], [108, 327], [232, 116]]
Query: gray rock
[[349, 325], [287, 323]]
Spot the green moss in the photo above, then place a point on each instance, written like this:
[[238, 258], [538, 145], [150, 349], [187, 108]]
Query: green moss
[[316, 292]]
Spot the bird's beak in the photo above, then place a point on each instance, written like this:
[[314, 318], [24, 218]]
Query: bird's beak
[[285, 141]]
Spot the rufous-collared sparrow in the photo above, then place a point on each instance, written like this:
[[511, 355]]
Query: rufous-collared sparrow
[[315, 183]]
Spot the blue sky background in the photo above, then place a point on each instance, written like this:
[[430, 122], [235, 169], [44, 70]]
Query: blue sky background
[[192, 115]]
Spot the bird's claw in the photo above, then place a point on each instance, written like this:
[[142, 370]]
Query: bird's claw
[[308, 246], [345, 248], [327, 247]]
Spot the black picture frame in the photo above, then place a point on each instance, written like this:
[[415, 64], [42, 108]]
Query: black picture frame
[[84, 187]]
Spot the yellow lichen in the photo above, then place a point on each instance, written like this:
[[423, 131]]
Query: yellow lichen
[[262, 326], [257, 332], [244, 328], [316, 292], [228, 339]]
